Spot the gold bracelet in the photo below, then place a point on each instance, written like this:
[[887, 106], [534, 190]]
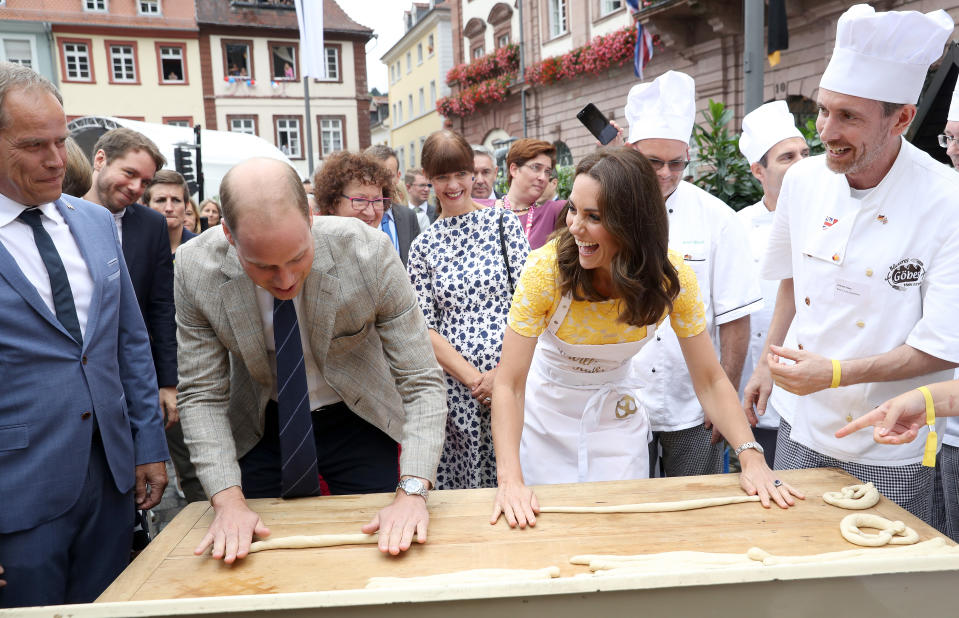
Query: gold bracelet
[[836, 374], [929, 453]]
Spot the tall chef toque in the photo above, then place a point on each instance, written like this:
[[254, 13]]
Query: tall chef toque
[[664, 108], [954, 108], [764, 127], [885, 56]]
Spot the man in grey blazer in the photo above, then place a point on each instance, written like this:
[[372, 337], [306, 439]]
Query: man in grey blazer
[[371, 377]]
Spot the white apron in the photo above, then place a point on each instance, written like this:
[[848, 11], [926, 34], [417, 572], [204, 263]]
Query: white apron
[[582, 418]]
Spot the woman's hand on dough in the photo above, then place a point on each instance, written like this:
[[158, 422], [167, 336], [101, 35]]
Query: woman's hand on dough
[[897, 421], [399, 521], [517, 503], [757, 479], [233, 527]]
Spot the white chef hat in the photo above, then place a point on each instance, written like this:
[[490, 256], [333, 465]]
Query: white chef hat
[[764, 127], [664, 108], [885, 56], [954, 108]]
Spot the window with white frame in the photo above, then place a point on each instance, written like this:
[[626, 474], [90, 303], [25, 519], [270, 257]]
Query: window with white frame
[[409, 61], [391, 74], [99, 6], [399, 115], [332, 55], [76, 58], [608, 6], [422, 101], [331, 135], [429, 45], [402, 158], [283, 62], [502, 40], [123, 63], [171, 64], [17, 51], [243, 125], [177, 123], [412, 154], [419, 53], [288, 136], [410, 108], [148, 7], [432, 94], [557, 17], [394, 113], [478, 52]]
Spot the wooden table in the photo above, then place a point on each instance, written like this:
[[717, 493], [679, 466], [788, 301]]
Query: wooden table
[[167, 577]]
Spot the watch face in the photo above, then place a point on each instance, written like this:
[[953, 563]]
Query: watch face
[[412, 485]]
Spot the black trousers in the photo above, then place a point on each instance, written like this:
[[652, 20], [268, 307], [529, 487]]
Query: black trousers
[[354, 457]]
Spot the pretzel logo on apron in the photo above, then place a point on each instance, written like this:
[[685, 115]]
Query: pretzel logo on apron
[[626, 406]]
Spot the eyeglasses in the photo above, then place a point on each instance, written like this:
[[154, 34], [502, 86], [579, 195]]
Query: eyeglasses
[[945, 140], [359, 204], [539, 168], [676, 165]]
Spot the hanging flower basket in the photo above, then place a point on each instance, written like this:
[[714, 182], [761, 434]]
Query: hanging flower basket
[[503, 61], [467, 100], [600, 54]]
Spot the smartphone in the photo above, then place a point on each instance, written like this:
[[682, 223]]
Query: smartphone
[[596, 122]]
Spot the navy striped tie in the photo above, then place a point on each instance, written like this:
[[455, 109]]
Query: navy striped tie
[[297, 447], [63, 304]]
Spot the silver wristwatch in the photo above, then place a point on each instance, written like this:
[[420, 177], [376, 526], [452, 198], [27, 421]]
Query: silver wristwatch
[[746, 445], [414, 487]]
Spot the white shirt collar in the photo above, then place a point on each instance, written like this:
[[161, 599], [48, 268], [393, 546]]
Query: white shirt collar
[[11, 209]]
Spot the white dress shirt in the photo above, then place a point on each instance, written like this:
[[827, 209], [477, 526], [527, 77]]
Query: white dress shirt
[[869, 275], [422, 217], [705, 231], [321, 393], [17, 237]]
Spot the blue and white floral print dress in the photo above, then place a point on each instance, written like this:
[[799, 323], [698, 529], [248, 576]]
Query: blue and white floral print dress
[[459, 273]]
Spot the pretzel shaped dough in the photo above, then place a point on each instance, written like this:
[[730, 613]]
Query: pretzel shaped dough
[[853, 497], [890, 532]]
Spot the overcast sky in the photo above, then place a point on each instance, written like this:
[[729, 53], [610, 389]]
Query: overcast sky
[[385, 17]]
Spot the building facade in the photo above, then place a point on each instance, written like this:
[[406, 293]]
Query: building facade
[[704, 39], [132, 59], [417, 66], [249, 51]]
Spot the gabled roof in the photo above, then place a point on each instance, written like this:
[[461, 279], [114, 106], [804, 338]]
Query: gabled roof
[[272, 14]]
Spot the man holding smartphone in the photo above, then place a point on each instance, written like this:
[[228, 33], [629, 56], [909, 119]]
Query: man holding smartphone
[[706, 233]]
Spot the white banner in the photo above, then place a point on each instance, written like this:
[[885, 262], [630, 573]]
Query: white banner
[[309, 17]]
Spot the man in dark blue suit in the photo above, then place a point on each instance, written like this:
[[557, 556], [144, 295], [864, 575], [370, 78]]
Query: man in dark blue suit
[[81, 435], [124, 163]]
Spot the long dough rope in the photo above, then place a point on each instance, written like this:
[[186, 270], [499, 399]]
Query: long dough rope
[[853, 497], [890, 532], [474, 576], [652, 507], [320, 540]]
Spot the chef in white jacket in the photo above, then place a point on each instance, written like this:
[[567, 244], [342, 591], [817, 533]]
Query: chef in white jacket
[[705, 232], [865, 241], [771, 144]]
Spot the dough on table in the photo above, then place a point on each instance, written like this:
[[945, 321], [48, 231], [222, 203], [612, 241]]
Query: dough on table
[[853, 497], [652, 507], [473, 576], [890, 532], [320, 540]]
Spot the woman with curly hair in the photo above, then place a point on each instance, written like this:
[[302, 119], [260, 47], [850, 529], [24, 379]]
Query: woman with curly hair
[[463, 269], [565, 408]]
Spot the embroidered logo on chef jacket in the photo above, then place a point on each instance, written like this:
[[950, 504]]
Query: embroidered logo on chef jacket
[[626, 406], [906, 273], [829, 222]]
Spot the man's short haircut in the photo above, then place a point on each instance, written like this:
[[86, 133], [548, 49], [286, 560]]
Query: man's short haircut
[[411, 175], [479, 149], [764, 160], [117, 143], [13, 77], [229, 209], [167, 177], [381, 152], [890, 109]]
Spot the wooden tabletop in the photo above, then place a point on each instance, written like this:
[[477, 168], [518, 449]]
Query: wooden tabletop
[[461, 538]]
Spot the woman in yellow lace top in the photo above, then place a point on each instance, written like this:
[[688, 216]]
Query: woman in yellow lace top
[[565, 406]]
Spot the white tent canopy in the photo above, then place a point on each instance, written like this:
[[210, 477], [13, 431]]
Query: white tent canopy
[[220, 150]]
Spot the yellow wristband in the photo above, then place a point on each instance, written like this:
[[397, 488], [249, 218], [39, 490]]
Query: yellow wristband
[[929, 453], [836, 374]]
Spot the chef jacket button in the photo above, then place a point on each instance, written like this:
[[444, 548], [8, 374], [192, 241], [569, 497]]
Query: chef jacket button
[[807, 300], [653, 370], [85, 415], [800, 346], [869, 272], [860, 323], [670, 211], [658, 338], [759, 334]]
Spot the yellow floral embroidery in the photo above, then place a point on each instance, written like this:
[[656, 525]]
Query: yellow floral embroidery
[[588, 323]]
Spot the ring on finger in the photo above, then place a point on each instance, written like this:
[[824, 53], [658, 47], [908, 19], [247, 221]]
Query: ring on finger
[[777, 483]]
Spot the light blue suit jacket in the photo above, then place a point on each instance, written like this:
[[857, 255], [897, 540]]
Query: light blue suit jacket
[[48, 382]]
